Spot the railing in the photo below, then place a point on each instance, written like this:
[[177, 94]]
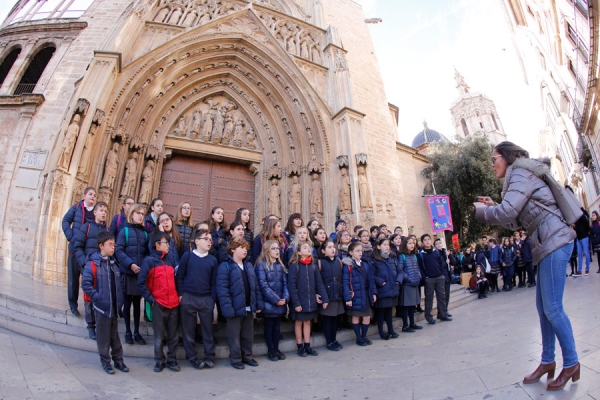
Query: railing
[[24, 88]]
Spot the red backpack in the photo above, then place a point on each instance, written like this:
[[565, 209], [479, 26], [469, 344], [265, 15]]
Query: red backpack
[[85, 296]]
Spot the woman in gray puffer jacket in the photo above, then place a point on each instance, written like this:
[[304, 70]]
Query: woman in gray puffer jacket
[[528, 202]]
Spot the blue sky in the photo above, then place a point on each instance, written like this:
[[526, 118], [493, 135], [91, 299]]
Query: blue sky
[[419, 43]]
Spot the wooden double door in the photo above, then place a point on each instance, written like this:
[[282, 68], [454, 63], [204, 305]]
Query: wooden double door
[[206, 184]]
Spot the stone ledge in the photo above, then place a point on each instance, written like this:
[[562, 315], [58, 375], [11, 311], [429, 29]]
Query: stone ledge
[[22, 100]]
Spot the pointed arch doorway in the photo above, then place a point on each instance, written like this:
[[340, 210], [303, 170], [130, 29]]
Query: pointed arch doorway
[[206, 183]]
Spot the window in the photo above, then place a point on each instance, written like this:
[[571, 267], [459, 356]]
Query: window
[[577, 41], [7, 63], [581, 6], [495, 123], [34, 70], [481, 125], [463, 123], [43, 9]]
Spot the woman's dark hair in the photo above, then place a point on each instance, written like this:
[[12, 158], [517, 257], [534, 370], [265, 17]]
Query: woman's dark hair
[[234, 225], [510, 152], [315, 240], [354, 245], [376, 251], [321, 252], [478, 247], [177, 240], [289, 227], [152, 204], [597, 216], [404, 247], [238, 216], [211, 221]]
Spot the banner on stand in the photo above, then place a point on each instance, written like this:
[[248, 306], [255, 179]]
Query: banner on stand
[[439, 210]]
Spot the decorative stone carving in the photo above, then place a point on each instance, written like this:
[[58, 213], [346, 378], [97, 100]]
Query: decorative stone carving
[[69, 143], [362, 159], [228, 131], [147, 181], [316, 196], [59, 189], [196, 123], [85, 155], [181, 128], [218, 125], [345, 199], [82, 106], [274, 198], [295, 196], [110, 168], [128, 188], [342, 161], [250, 139], [363, 188]]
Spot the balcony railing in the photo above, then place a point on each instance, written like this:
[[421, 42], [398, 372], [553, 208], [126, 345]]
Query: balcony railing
[[24, 88]]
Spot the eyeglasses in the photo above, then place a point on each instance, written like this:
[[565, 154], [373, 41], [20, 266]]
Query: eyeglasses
[[495, 158], [186, 208], [163, 221], [274, 248], [364, 236], [129, 204], [345, 234], [208, 239], [163, 242], [139, 212]]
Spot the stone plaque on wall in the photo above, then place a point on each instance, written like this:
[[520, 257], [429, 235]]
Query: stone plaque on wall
[[34, 159]]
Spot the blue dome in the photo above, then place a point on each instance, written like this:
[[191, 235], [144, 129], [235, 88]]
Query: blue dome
[[428, 136]]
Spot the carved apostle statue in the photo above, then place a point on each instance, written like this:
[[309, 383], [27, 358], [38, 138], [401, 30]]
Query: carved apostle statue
[[345, 200], [316, 195], [69, 143], [363, 188], [147, 180], [110, 168], [274, 195], [295, 197], [128, 188]]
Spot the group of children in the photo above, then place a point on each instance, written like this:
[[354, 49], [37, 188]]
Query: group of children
[[183, 271]]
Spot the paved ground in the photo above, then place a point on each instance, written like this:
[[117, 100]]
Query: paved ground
[[482, 354]]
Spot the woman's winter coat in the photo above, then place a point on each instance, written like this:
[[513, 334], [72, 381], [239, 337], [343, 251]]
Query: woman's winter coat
[[523, 192], [274, 287], [354, 282], [595, 233], [331, 274], [508, 256], [186, 234], [409, 264], [231, 292], [132, 247], [385, 273], [304, 282]]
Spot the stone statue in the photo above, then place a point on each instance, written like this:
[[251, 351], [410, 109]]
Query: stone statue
[[196, 123], [128, 188], [110, 168], [295, 197], [316, 195], [363, 188], [237, 133], [204, 18], [69, 143], [219, 124], [147, 180], [304, 50], [228, 131], [189, 19], [175, 16], [180, 129], [316, 56], [162, 14], [207, 126], [250, 138], [291, 46], [345, 200], [274, 195], [87, 148]]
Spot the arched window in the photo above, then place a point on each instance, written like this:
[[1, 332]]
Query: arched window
[[34, 70], [7, 63], [495, 123], [463, 123]]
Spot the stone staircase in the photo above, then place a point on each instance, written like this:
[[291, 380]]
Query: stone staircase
[[41, 312]]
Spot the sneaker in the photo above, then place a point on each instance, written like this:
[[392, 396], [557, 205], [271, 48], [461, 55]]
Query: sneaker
[[128, 338], [361, 342], [587, 273], [367, 341], [92, 333], [280, 355], [576, 275], [139, 339], [196, 363], [302, 351], [121, 366], [172, 365], [310, 351], [159, 366], [331, 346], [108, 368]]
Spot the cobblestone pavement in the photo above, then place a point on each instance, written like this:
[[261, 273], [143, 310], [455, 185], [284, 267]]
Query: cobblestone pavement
[[483, 354]]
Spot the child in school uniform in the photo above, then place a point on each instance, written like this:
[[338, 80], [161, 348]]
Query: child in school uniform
[[272, 279], [385, 274], [330, 267], [102, 283], [306, 293], [154, 210], [156, 281]]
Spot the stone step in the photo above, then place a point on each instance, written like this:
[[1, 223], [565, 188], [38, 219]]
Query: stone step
[[62, 328]]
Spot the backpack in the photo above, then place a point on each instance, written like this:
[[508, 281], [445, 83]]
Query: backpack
[[85, 296], [127, 234]]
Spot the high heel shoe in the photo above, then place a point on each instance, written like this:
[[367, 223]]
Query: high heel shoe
[[573, 373], [540, 371]]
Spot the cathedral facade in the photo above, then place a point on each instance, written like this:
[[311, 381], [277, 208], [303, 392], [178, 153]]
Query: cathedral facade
[[273, 105]]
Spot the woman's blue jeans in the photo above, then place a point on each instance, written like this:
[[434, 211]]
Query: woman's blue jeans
[[549, 301], [583, 247]]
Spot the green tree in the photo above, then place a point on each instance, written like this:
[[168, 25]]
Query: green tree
[[463, 170]]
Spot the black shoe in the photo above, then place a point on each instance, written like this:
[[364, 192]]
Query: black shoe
[[76, 313], [385, 336], [251, 362], [172, 365], [302, 351], [478, 298], [416, 327], [280, 355], [484, 296], [310, 351], [92, 333], [196, 363], [367, 341], [448, 314], [532, 285], [418, 309], [208, 363], [339, 345], [139, 339], [121, 366], [238, 365], [446, 319], [108, 368], [430, 321], [159, 366], [393, 335], [408, 329], [361, 342], [128, 338], [331, 346], [272, 356]]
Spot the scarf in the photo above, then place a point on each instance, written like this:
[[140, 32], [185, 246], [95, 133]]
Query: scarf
[[306, 261], [366, 246], [343, 247]]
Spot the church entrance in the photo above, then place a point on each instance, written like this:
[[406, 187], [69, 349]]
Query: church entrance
[[206, 184]]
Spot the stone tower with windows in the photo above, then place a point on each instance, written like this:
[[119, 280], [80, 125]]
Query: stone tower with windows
[[475, 114]]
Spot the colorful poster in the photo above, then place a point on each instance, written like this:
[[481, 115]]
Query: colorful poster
[[439, 210]]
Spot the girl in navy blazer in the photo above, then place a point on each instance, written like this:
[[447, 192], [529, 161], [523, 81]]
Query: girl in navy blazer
[[385, 274], [154, 209], [272, 280]]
